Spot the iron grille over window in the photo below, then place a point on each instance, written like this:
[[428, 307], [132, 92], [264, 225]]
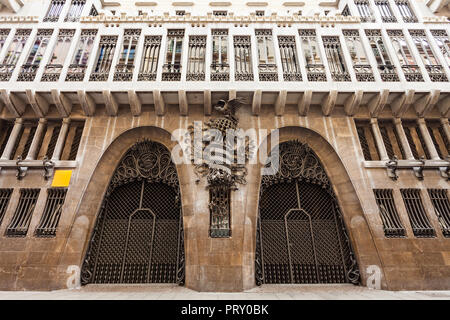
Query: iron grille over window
[[104, 58], [24, 139], [443, 42], [367, 140], [439, 138], [346, 11], [77, 67], [289, 58], [59, 54], [313, 60], [14, 51], [220, 69], [220, 224], [125, 67], [416, 212], [385, 66], [385, 11], [441, 206], [363, 70], [405, 10], [18, 227], [391, 139], [5, 196], [335, 58], [172, 66], [31, 66], [392, 225], [54, 11], [242, 58], [365, 12], [267, 67], [93, 12], [149, 66], [49, 139], [72, 142], [75, 10], [5, 131], [415, 140], [52, 212], [196, 61]]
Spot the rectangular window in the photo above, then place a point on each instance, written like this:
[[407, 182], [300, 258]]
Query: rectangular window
[[367, 140], [72, 141], [441, 204], [220, 69], [18, 227], [259, 13], [196, 58], [289, 58], [391, 139], [5, 131], [220, 224], [267, 67], [415, 140], [125, 66], [406, 11], [443, 42], [363, 70], [243, 58], [54, 11], [172, 66], [364, 10], [75, 10], [385, 11], [336, 61], [3, 35], [24, 140], [392, 225], [149, 66], [93, 12], [13, 54], [220, 13], [5, 196], [384, 62], [31, 65], [313, 60], [60, 51], [416, 212], [49, 139], [105, 55], [52, 212], [78, 65], [180, 13], [439, 138]]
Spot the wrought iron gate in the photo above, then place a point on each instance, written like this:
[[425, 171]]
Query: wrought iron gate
[[138, 235], [301, 237]]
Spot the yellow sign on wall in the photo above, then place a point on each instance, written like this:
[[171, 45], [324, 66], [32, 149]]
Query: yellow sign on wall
[[61, 178]]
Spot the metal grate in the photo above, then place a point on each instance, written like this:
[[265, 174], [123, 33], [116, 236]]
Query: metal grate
[[441, 206], [5, 195], [7, 127], [391, 140], [52, 212], [18, 227], [367, 140], [53, 140], [392, 225], [28, 142], [220, 224], [439, 138], [416, 212]]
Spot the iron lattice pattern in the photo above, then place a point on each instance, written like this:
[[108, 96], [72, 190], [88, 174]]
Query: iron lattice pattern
[[301, 237], [138, 237], [441, 206]]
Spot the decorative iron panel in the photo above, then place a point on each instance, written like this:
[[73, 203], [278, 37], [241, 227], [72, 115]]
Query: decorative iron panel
[[52, 212], [301, 237], [5, 196], [416, 212], [441, 206], [138, 235], [392, 225], [18, 227]]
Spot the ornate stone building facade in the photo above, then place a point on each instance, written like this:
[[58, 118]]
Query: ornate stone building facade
[[352, 96]]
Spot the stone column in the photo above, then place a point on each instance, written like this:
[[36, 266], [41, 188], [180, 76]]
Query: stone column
[[35, 144], [12, 139], [427, 138], [402, 136], [378, 139], [446, 126], [61, 139]]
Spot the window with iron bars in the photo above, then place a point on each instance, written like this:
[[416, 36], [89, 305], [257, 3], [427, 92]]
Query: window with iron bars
[[439, 138], [150, 58], [196, 59], [267, 67], [20, 222], [367, 140], [361, 65], [346, 11], [5, 131], [93, 12], [5, 196], [415, 140], [260, 13], [3, 35], [443, 42], [441, 204], [391, 139], [78, 65], [384, 62], [417, 215], [336, 61], [364, 10], [180, 13], [13, 54], [313, 61], [289, 58], [243, 58], [125, 66], [385, 11], [392, 224], [75, 10], [54, 67], [220, 69], [54, 10], [52, 212], [104, 59], [72, 140], [24, 140], [434, 68], [406, 11], [172, 66]]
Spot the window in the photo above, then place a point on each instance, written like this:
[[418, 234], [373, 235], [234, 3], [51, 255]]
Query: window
[[335, 58], [289, 58], [242, 58], [391, 139], [364, 10], [220, 69], [140, 13], [385, 66], [5, 196], [93, 12], [405, 10], [125, 67], [416, 212], [259, 13], [443, 42], [52, 212], [13, 54], [75, 10], [385, 11], [367, 140], [54, 11], [149, 66], [441, 205], [172, 66], [313, 60], [49, 139], [220, 13], [72, 141], [18, 227], [24, 140], [60, 51], [439, 138], [345, 12], [31, 66], [180, 13], [113, 12], [78, 65], [5, 130], [363, 70], [267, 67], [392, 225], [104, 58], [196, 59], [3, 35], [415, 140]]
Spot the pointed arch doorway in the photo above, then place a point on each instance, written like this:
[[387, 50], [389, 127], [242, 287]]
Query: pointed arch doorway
[[138, 235], [301, 237]]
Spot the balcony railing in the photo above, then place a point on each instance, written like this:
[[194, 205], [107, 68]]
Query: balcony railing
[[363, 72], [268, 72], [412, 73], [52, 72], [436, 73], [388, 73], [195, 76], [6, 71], [171, 72], [220, 72], [76, 72], [316, 72], [28, 72], [124, 72]]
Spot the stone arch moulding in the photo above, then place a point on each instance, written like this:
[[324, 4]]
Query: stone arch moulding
[[357, 226]]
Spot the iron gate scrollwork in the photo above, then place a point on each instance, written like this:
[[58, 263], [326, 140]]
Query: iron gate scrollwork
[[138, 235], [300, 236]]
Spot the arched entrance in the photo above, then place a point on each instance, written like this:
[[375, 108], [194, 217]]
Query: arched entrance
[[138, 235], [300, 236]]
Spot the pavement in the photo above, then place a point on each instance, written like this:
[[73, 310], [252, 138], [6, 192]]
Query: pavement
[[265, 292]]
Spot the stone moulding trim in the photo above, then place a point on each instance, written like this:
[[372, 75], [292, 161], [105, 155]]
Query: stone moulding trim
[[219, 4], [182, 4], [293, 4], [145, 4], [257, 4], [19, 19]]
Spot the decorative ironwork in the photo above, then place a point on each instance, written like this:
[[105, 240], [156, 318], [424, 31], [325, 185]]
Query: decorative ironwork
[[335, 58], [364, 10], [152, 47], [107, 48], [52, 212], [125, 67], [392, 225], [18, 227], [54, 11], [75, 10], [5, 196], [138, 235], [416, 212], [406, 11], [441, 205], [196, 61], [242, 54], [289, 58], [385, 11], [301, 237]]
